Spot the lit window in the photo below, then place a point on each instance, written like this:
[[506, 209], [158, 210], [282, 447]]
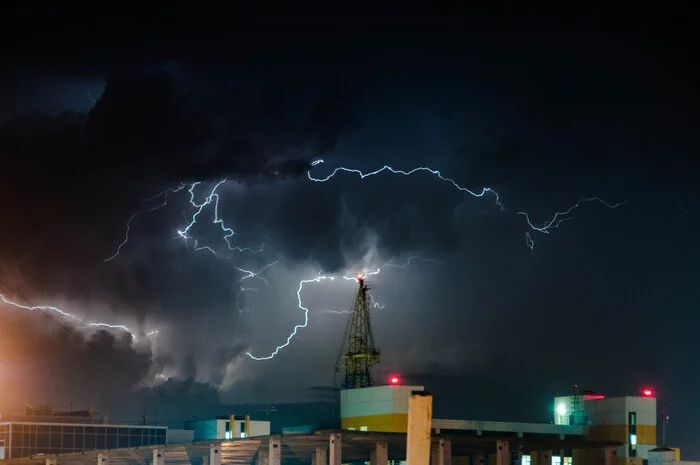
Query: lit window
[[525, 460], [242, 435], [352, 428], [228, 435], [363, 428], [556, 460], [633, 439], [561, 409], [568, 461]]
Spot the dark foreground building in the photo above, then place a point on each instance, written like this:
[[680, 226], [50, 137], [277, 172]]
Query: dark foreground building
[[47, 432]]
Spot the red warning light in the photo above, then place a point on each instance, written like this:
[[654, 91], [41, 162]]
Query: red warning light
[[394, 379], [648, 392]]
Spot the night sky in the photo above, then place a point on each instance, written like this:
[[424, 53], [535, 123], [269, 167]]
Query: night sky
[[103, 116]]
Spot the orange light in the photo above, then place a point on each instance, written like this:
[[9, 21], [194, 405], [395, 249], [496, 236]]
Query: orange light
[[360, 276]]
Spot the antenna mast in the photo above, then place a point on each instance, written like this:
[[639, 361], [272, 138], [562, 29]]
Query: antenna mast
[[360, 354]]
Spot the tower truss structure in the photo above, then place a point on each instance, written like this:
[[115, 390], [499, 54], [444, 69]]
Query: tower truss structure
[[360, 354]]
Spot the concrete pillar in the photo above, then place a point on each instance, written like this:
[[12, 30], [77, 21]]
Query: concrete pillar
[[380, 454], [215, 454], [502, 453], [275, 452], [319, 458], [420, 416], [444, 452], [102, 459], [335, 449], [610, 456], [51, 461], [263, 458], [542, 457], [158, 458]]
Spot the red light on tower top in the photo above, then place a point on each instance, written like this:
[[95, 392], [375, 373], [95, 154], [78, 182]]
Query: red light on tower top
[[648, 392], [393, 379]]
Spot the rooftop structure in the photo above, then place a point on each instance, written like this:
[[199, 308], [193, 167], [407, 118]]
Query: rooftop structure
[[630, 420], [228, 427]]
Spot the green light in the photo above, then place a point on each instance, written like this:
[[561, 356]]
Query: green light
[[561, 409]]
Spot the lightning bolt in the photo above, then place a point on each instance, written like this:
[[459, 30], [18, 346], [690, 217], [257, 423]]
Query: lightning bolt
[[212, 198], [554, 222], [561, 217], [484, 191], [247, 274], [73, 317], [164, 195], [321, 277], [297, 327]]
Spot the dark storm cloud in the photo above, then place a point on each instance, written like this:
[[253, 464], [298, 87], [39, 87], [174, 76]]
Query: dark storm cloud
[[73, 179], [535, 127]]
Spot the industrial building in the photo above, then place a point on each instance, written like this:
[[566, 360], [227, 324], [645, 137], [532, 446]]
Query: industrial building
[[375, 426], [630, 420]]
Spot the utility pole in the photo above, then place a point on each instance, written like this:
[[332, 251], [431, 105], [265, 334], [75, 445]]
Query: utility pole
[[268, 409], [664, 422]]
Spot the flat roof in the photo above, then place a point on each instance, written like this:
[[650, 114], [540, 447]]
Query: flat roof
[[356, 446], [86, 425]]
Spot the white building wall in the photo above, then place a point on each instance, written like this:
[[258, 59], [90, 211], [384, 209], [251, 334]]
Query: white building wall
[[610, 411], [378, 400], [257, 428]]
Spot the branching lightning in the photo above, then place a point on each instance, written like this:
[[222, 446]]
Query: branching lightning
[[321, 277], [247, 274], [72, 317], [164, 196], [212, 197], [561, 217], [484, 191], [554, 222], [305, 310], [211, 200]]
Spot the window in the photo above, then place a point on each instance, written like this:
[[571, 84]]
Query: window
[[633, 450], [363, 428], [242, 435], [227, 435], [632, 429], [568, 461], [525, 460], [556, 460]]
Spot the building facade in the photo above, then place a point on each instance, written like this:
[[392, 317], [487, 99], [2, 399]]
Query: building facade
[[227, 428], [379, 409], [630, 420]]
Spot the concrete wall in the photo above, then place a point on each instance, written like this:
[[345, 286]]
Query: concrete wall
[[179, 436], [208, 429], [507, 427], [257, 428]]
